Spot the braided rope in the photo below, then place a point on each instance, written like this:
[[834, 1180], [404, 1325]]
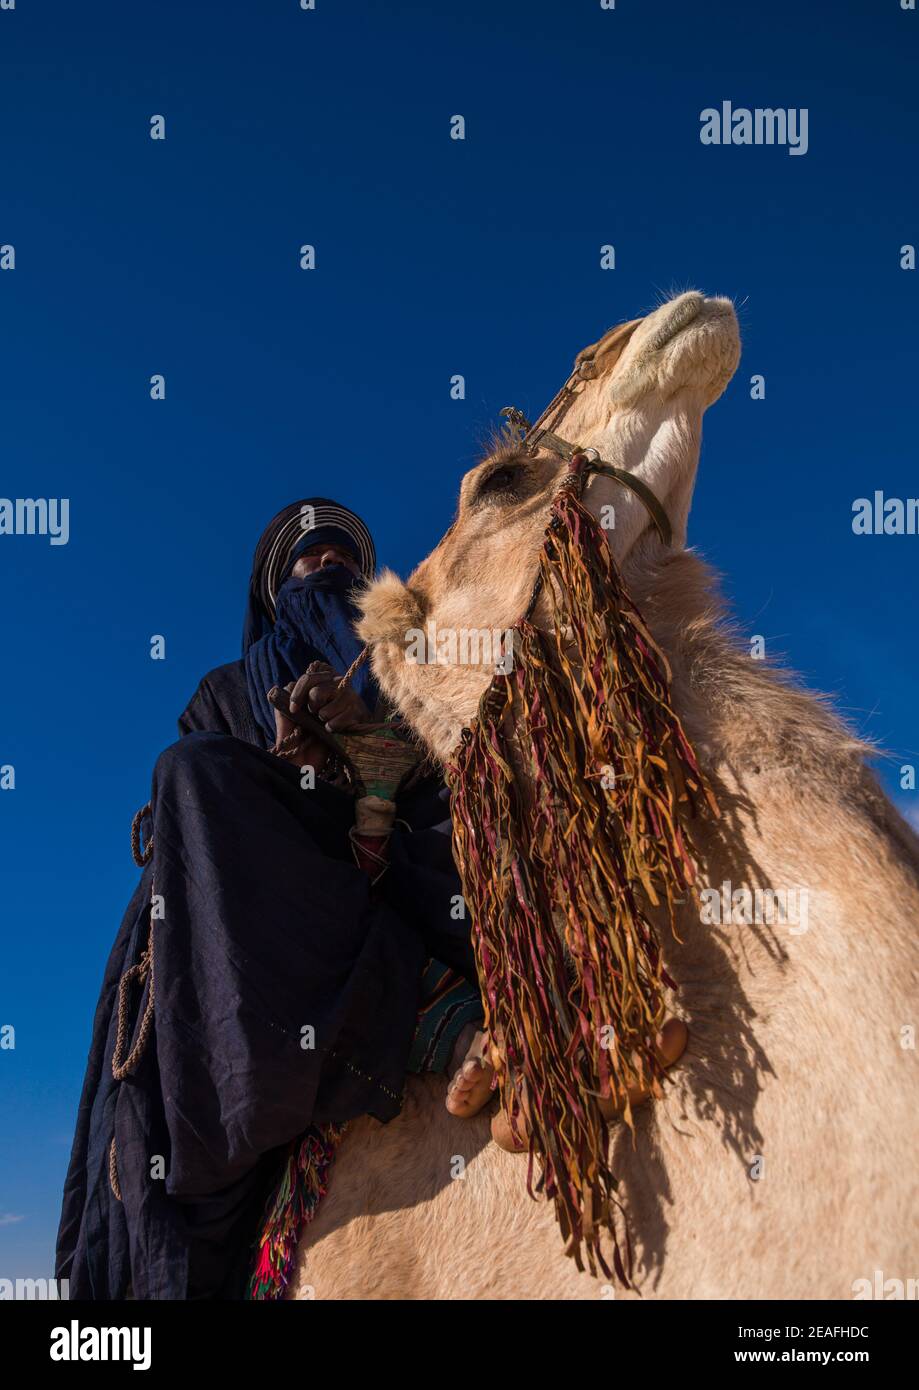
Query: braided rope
[[141, 853], [353, 669], [288, 745], [113, 1172], [143, 972]]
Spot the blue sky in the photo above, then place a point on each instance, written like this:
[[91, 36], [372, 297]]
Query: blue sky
[[434, 257]]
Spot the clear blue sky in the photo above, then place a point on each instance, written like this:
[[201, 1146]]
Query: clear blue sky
[[434, 257]]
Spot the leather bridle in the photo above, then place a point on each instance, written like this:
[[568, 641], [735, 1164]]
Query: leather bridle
[[539, 436]]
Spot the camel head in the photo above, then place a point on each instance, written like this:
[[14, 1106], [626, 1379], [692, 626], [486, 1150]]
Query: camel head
[[640, 394]]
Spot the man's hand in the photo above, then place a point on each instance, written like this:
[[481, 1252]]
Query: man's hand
[[311, 752], [338, 709]]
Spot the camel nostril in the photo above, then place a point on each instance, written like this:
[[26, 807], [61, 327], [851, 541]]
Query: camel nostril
[[680, 314]]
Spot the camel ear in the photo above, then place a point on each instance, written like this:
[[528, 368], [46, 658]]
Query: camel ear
[[389, 610], [601, 356]]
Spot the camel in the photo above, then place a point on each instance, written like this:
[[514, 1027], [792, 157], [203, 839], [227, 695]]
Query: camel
[[780, 1161]]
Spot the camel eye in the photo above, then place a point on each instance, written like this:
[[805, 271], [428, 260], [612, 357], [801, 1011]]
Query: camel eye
[[500, 482]]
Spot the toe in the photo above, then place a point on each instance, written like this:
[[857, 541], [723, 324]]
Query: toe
[[458, 1093]]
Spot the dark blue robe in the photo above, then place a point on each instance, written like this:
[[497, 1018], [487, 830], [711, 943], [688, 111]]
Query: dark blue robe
[[268, 928]]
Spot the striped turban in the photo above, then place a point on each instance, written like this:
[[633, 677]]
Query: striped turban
[[296, 529]]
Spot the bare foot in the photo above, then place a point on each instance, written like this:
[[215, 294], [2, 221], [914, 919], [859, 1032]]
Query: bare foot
[[671, 1044], [470, 1088]]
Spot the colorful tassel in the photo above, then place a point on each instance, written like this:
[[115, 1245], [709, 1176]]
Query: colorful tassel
[[298, 1194]]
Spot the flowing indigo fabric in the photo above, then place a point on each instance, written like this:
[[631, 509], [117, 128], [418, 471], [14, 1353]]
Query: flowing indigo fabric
[[269, 928]]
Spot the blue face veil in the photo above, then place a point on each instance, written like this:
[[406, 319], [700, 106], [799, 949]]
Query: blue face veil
[[291, 622]]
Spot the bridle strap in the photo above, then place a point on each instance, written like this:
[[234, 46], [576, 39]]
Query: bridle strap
[[536, 437], [642, 492]]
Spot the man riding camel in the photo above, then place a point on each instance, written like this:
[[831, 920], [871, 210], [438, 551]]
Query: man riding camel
[[262, 984]]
